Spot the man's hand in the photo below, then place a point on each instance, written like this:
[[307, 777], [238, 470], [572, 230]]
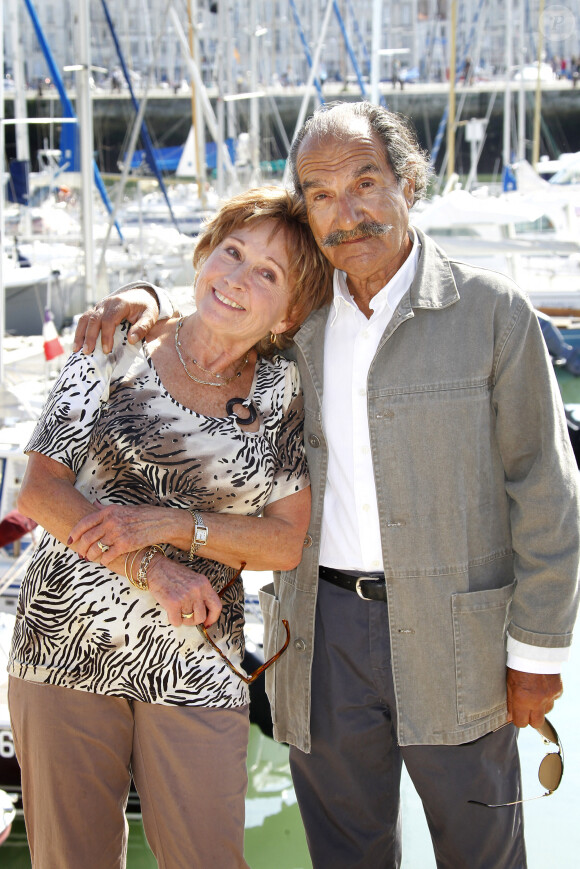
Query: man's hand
[[530, 696], [137, 305]]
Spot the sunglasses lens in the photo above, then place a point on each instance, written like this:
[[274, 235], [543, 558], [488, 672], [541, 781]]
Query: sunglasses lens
[[550, 772]]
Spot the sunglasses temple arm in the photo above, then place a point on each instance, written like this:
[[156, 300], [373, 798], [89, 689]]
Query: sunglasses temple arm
[[515, 802], [247, 679], [275, 657], [232, 580], [224, 658]]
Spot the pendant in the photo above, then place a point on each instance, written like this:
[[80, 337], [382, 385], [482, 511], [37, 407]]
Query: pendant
[[252, 412]]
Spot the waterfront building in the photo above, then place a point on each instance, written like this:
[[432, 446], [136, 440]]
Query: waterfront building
[[414, 38]]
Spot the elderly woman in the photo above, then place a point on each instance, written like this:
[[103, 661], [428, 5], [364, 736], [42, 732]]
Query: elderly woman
[[125, 658]]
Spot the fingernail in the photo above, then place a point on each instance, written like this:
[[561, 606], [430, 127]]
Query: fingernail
[[69, 541]]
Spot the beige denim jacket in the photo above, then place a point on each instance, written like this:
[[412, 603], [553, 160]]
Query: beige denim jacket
[[478, 501]]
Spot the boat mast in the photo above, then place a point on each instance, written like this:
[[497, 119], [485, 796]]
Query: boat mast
[[230, 55], [220, 106], [196, 114], [451, 118], [538, 103], [376, 47], [507, 107], [20, 107], [522, 93], [86, 147], [22, 143], [255, 33]]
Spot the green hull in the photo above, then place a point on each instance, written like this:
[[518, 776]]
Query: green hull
[[569, 384]]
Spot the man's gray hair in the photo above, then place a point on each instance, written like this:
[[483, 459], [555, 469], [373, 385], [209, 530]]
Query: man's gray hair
[[404, 155]]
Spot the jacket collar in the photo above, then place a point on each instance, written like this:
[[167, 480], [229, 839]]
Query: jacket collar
[[310, 341], [433, 285]]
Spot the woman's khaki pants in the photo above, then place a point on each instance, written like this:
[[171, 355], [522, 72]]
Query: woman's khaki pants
[[77, 752]]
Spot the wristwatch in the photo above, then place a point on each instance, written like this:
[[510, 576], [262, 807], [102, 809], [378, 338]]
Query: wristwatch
[[200, 533]]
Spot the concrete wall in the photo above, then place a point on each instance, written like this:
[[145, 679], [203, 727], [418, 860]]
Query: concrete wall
[[169, 116]]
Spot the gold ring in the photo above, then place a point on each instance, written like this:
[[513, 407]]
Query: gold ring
[[186, 615], [103, 546]]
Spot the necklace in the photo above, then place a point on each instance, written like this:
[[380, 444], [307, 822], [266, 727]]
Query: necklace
[[224, 380]]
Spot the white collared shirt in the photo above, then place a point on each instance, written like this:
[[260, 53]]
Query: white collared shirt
[[350, 538]]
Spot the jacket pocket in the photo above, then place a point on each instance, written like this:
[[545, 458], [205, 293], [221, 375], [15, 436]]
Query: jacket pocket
[[270, 606], [479, 633]]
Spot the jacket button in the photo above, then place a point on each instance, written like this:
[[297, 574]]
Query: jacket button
[[313, 440], [307, 541], [299, 644]]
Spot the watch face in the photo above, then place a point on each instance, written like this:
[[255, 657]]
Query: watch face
[[201, 535]]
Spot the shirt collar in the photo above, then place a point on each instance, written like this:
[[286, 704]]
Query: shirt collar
[[391, 294]]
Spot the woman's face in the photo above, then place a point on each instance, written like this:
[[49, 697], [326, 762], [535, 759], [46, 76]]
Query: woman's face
[[243, 288]]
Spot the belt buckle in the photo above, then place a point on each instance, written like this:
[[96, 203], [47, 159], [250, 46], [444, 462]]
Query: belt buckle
[[358, 588]]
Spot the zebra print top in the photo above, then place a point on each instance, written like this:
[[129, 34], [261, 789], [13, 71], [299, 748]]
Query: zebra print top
[[110, 420]]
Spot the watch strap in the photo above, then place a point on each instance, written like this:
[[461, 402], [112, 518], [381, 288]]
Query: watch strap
[[200, 532]]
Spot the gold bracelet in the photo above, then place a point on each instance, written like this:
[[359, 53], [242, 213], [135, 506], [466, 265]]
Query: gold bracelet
[[130, 571], [141, 581], [129, 567]]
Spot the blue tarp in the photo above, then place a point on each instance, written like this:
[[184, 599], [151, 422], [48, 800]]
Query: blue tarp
[[70, 160], [18, 189], [168, 158], [211, 153]]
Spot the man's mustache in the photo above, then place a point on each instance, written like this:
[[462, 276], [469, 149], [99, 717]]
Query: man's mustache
[[366, 229]]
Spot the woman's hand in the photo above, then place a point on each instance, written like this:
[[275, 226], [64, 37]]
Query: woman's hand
[[180, 590], [122, 529]]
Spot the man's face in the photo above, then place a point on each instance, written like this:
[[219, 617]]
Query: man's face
[[357, 210]]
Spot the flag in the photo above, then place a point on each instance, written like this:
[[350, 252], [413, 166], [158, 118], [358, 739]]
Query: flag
[[52, 345]]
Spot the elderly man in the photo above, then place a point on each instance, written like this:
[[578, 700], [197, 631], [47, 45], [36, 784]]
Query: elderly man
[[445, 521]]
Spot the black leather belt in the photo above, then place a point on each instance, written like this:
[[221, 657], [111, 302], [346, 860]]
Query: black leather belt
[[367, 587]]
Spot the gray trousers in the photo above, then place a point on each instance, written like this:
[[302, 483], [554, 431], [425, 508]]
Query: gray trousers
[[348, 787], [77, 751]]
